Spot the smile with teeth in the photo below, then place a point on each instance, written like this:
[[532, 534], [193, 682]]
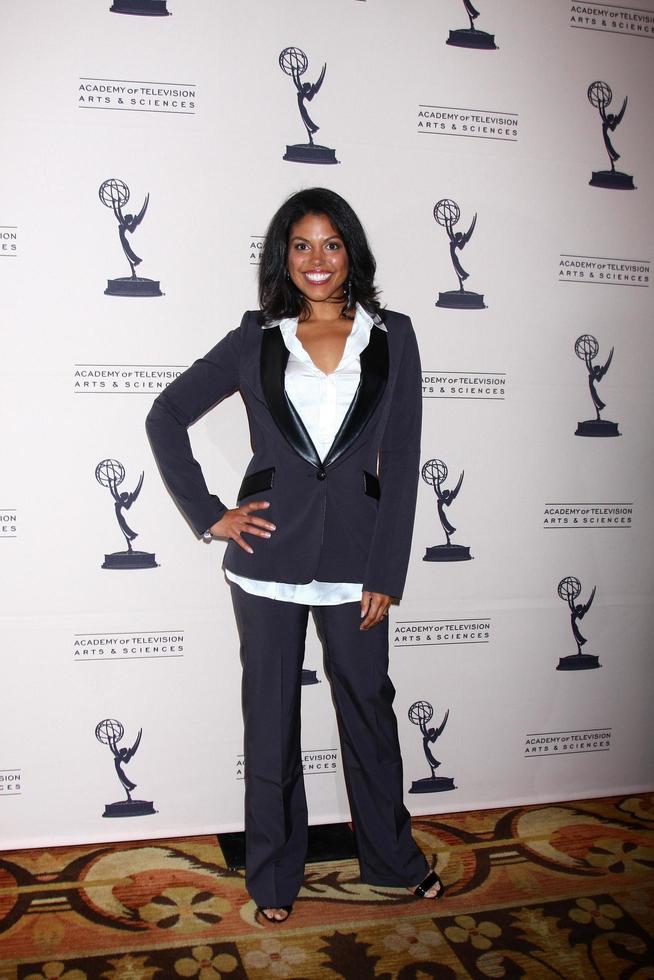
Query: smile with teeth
[[317, 277]]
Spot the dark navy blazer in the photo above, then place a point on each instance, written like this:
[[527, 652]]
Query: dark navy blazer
[[348, 518]]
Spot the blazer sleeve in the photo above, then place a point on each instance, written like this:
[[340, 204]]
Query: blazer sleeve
[[399, 461], [189, 396]]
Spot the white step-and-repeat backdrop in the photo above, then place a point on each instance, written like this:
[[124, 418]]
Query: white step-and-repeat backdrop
[[501, 161]]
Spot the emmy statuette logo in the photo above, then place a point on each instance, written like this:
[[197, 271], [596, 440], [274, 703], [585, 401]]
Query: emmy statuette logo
[[434, 473], [114, 193], [600, 96], [110, 473], [470, 37], [586, 348], [110, 732], [142, 8], [420, 713], [569, 590], [294, 62], [447, 214]]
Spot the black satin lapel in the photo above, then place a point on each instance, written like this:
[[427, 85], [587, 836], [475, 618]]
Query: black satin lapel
[[374, 375], [274, 357]]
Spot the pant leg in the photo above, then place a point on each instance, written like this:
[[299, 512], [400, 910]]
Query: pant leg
[[357, 666], [272, 636]]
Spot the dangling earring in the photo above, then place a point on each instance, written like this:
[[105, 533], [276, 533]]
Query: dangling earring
[[287, 277], [349, 298]]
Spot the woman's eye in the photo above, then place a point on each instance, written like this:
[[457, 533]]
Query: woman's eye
[[333, 246]]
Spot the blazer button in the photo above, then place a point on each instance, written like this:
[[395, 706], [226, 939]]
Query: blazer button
[[321, 474]]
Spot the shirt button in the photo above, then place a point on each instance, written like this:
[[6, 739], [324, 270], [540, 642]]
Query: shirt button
[[321, 474]]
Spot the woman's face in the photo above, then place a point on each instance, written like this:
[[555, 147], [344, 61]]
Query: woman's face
[[317, 259]]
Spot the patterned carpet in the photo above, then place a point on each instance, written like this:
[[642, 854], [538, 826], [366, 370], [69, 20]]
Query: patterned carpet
[[559, 891]]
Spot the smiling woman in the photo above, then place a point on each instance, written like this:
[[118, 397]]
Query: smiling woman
[[317, 259], [329, 216], [333, 392], [318, 265]]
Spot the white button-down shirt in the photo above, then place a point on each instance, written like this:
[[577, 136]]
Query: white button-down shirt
[[321, 400]]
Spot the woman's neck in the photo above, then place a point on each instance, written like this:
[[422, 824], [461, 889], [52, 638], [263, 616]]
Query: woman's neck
[[328, 312]]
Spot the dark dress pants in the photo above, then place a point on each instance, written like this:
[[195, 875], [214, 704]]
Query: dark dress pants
[[272, 636]]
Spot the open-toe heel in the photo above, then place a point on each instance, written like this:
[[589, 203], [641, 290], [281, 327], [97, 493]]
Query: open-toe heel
[[261, 913], [420, 891]]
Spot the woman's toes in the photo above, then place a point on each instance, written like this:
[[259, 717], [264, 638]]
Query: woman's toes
[[277, 914]]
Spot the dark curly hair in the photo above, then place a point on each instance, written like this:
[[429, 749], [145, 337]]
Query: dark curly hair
[[279, 297]]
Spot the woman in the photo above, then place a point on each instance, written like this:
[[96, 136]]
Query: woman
[[325, 513]]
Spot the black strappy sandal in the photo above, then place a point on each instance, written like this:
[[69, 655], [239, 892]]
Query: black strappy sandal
[[261, 914], [428, 882]]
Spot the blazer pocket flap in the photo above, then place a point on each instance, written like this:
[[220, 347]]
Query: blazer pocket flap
[[371, 485], [257, 482]]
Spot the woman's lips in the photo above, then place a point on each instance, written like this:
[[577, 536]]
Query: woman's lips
[[317, 278]]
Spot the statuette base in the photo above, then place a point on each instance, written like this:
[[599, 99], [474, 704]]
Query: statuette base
[[432, 784], [457, 299], [130, 286], [597, 428], [448, 552], [579, 661], [129, 808], [468, 37], [310, 153], [130, 559], [612, 180], [153, 8]]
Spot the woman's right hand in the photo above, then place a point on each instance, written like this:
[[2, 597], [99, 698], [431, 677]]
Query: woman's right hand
[[237, 521]]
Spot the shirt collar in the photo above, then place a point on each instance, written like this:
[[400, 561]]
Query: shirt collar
[[356, 342], [290, 323]]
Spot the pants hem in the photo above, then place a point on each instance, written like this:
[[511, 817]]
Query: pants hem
[[393, 883]]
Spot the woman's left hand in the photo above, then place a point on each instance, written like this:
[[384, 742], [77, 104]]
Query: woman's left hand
[[374, 606]]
